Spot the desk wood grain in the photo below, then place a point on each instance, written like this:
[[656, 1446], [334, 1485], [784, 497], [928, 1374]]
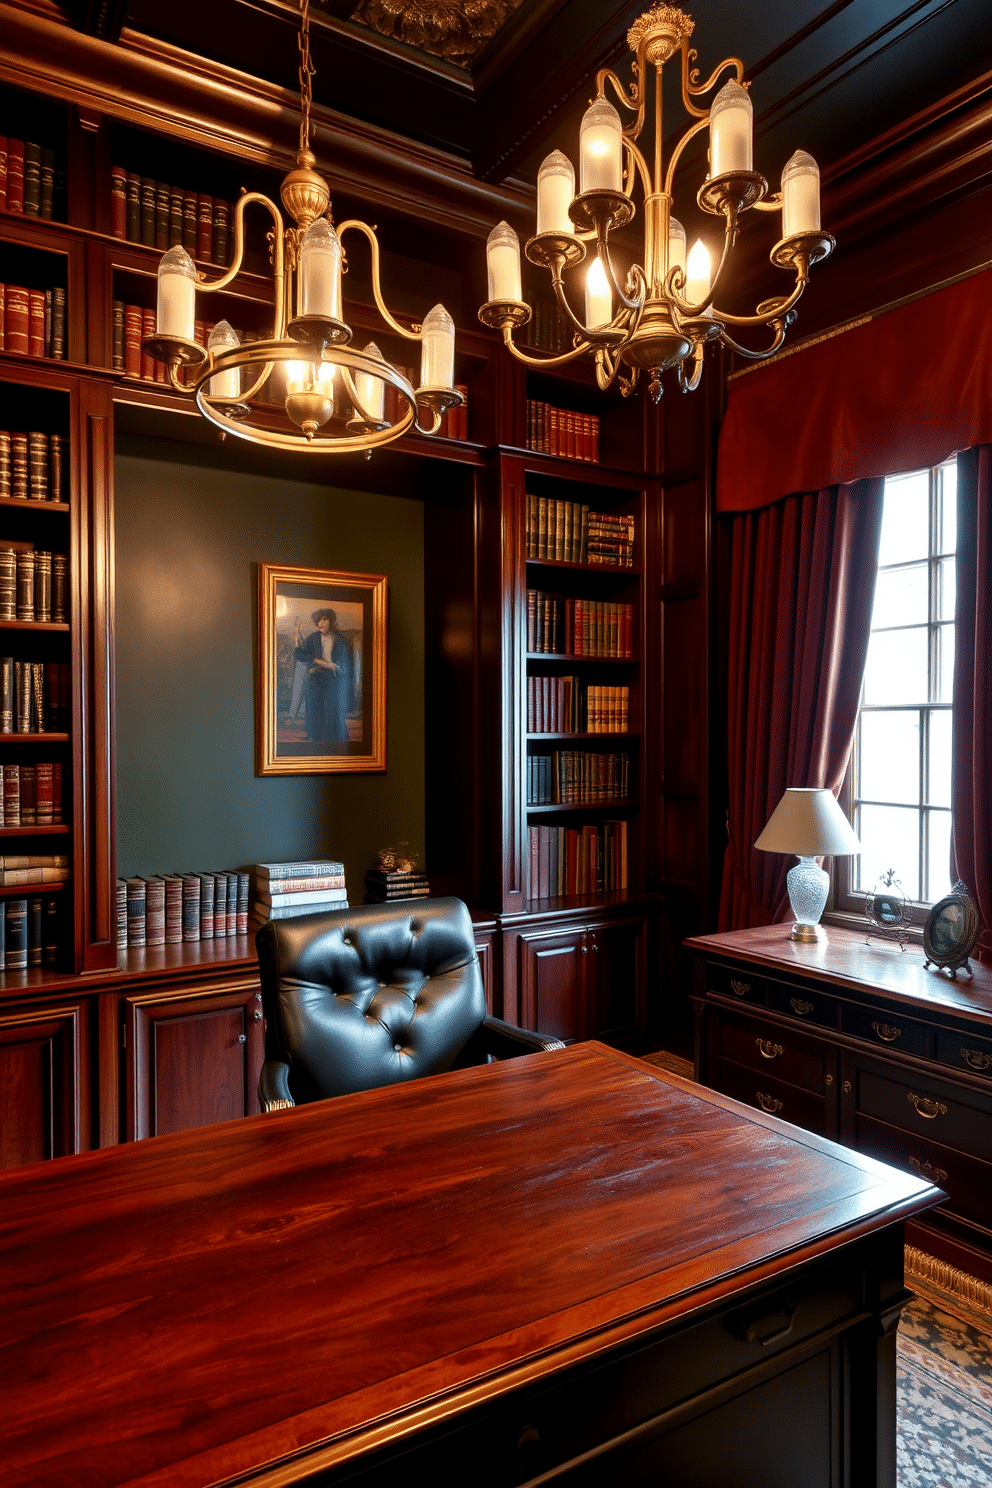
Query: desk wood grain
[[308, 1284]]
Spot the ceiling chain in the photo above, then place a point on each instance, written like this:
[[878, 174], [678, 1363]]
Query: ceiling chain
[[306, 74]]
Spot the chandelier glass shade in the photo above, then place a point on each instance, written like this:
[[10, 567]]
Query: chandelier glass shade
[[664, 312], [305, 386]]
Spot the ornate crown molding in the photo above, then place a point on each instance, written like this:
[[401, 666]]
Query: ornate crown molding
[[456, 30]]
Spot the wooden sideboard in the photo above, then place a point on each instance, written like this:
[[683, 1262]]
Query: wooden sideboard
[[857, 1041], [566, 1267]]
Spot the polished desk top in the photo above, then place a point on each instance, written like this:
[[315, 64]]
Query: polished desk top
[[313, 1282]]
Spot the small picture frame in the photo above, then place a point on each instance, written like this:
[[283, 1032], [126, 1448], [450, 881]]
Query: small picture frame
[[321, 686], [950, 932]]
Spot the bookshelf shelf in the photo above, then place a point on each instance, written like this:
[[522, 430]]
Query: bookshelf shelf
[[600, 570], [18, 503], [31, 890], [53, 829], [584, 738], [34, 738], [617, 804], [585, 661], [42, 625]]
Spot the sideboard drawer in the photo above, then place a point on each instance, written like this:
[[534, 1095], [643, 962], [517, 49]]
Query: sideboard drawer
[[930, 1109], [966, 1180], [886, 1030], [731, 981], [964, 1052], [768, 1050], [804, 1005], [777, 1097]]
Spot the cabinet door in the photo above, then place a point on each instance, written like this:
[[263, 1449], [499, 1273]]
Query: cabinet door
[[552, 983], [615, 978], [41, 1065], [192, 1059]]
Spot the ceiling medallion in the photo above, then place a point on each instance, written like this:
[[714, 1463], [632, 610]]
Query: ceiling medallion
[[456, 30], [303, 387], [664, 312]]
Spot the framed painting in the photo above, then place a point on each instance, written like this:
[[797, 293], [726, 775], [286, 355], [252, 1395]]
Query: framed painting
[[321, 671]]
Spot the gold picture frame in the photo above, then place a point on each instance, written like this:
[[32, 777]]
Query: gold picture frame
[[321, 684]]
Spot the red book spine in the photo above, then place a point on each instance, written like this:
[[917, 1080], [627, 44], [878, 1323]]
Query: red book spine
[[552, 431], [16, 320], [3, 170], [36, 322], [15, 175], [147, 329], [132, 340], [205, 228], [3, 332], [118, 201], [43, 794]]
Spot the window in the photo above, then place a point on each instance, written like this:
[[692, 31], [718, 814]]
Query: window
[[900, 776]]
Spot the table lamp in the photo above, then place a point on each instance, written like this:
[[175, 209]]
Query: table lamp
[[808, 822]]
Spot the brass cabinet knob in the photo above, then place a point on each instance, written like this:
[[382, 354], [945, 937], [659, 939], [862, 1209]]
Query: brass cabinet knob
[[925, 1107], [927, 1170], [847, 1087], [767, 1049], [768, 1102], [799, 1006], [886, 1032], [739, 989], [975, 1059]]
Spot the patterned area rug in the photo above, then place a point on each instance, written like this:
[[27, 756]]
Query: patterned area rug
[[944, 1401]]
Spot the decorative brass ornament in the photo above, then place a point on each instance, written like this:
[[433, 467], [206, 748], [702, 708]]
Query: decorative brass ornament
[[663, 29], [457, 30]]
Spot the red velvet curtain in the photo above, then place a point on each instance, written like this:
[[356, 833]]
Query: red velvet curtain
[[971, 799], [802, 587]]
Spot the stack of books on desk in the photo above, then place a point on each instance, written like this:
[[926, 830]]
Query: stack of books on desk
[[285, 890], [383, 885]]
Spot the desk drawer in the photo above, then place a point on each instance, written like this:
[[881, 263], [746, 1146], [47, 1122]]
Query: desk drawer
[[735, 982], [966, 1180], [777, 1097], [964, 1052], [769, 1050], [886, 1030], [803, 1005], [928, 1109]]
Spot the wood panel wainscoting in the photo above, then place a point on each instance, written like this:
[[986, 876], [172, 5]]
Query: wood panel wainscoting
[[616, 1277], [860, 1043]]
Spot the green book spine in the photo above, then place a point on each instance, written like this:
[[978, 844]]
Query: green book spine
[[148, 212]]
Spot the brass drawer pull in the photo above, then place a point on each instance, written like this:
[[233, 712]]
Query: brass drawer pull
[[767, 1049], [976, 1059], [739, 989], [928, 1109], [927, 1170], [798, 1006], [768, 1102], [886, 1032]]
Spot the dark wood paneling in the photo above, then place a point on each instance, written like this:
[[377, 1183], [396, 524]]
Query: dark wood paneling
[[42, 1078]]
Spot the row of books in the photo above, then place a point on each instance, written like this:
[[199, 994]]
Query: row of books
[[27, 178], [566, 705], [576, 777], [283, 891], [579, 627], [384, 886], [30, 932], [566, 861], [34, 868], [34, 466], [32, 321], [454, 421], [546, 330], [562, 432], [32, 795], [173, 907], [159, 215], [33, 586], [568, 532], [35, 696]]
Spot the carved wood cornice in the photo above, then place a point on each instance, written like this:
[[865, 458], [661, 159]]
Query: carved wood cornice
[[157, 86]]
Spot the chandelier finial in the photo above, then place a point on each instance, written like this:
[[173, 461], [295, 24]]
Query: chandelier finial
[[664, 28]]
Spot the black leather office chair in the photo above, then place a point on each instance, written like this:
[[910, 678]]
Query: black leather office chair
[[358, 998]]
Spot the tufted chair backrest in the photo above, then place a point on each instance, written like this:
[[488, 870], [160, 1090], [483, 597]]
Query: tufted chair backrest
[[358, 998]]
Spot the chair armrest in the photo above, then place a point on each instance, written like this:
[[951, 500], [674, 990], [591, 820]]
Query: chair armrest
[[505, 1040], [273, 1086]]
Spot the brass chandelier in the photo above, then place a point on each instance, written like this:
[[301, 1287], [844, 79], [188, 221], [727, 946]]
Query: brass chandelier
[[664, 313], [304, 387]]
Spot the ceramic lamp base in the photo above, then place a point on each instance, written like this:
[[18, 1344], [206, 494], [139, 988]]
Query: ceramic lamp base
[[807, 884]]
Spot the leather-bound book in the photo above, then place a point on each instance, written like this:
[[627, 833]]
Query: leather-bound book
[[161, 215], [39, 717], [132, 340], [148, 211], [190, 222], [117, 332], [207, 890], [175, 216], [36, 322], [147, 329], [47, 184], [3, 172], [16, 935], [43, 586], [16, 320], [8, 583], [37, 466], [58, 323], [15, 175], [154, 911], [32, 179], [3, 329], [34, 932], [8, 685], [58, 807], [58, 475], [50, 938], [60, 588], [29, 799], [221, 222], [48, 322], [118, 201], [19, 466], [43, 808], [205, 228], [22, 699], [4, 463], [191, 906], [133, 218], [12, 795], [136, 910]]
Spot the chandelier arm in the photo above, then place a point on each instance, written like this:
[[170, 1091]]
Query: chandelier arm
[[757, 356], [352, 392], [541, 362], [605, 380], [692, 88], [278, 264], [603, 253], [642, 166], [575, 326], [689, 383], [778, 309], [677, 152], [259, 383], [633, 101], [770, 203], [363, 227], [729, 238]]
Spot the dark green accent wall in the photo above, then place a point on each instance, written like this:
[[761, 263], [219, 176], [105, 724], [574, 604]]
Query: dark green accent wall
[[190, 533]]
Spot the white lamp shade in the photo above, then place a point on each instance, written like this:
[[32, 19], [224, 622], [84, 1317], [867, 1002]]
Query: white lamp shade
[[809, 823]]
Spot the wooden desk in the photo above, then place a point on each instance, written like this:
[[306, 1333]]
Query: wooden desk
[[568, 1260]]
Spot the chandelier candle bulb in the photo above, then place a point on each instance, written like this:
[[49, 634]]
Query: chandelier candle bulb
[[320, 271], [697, 287], [371, 390], [437, 357], [601, 148], [503, 264], [176, 314], [227, 384], [599, 296], [555, 193], [730, 130], [800, 195]]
